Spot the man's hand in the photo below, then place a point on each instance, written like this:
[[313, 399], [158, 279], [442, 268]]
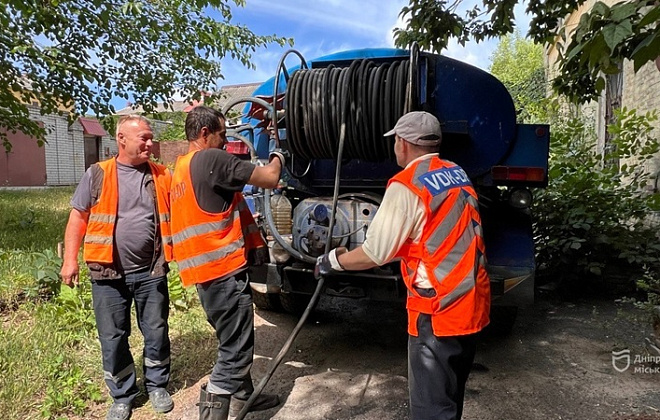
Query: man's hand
[[69, 273], [328, 264], [281, 154]]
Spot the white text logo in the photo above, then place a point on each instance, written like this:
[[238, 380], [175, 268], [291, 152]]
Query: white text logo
[[621, 356]]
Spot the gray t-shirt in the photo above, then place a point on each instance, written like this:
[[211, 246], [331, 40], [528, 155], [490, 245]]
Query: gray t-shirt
[[135, 227]]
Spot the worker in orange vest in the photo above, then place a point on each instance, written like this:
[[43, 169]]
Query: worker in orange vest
[[215, 238], [121, 208], [442, 253]]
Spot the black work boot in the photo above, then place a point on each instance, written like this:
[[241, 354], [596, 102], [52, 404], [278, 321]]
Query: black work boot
[[213, 406], [262, 402]]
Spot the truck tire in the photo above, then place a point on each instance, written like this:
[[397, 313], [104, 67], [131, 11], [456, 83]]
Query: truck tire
[[502, 319], [267, 301], [295, 303]]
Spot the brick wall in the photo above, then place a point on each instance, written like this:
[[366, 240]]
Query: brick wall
[[169, 150], [641, 91]]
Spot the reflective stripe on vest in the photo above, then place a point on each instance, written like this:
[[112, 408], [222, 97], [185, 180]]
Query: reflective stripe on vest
[[201, 229], [208, 245], [99, 237], [217, 254], [451, 250]]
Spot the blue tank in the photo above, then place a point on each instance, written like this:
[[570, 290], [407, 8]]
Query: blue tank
[[368, 90], [476, 111]]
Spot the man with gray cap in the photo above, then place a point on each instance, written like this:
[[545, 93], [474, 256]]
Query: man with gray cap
[[440, 243]]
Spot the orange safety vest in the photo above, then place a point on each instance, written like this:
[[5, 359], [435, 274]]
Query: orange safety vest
[[451, 248], [208, 245], [99, 237]]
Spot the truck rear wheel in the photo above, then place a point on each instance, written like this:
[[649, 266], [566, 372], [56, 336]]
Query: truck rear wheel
[[502, 320], [295, 303], [267, 301]]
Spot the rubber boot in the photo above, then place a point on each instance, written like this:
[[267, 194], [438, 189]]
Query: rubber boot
[[213, 406]]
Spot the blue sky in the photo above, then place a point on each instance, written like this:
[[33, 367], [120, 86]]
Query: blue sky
[[321, 27]]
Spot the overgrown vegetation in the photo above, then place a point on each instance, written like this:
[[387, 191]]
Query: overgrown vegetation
[[31, 224], [176, 131], [588, 50], [518, 64], [592, 225]]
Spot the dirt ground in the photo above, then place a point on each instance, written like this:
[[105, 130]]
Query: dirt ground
[[349, 362]]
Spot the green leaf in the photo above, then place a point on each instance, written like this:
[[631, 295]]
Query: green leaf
[[614, 34], [574, 51], [651, 16], [600, 8], [645, 43], [599, 51], [576, 245], [647, 53], [623, 11]]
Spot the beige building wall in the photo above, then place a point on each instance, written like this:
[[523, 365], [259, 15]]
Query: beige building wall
[[641, 91]]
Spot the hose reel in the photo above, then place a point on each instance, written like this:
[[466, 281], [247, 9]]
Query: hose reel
[[375, 95]]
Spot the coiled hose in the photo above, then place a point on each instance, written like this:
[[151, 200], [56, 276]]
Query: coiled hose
[[374, 96]]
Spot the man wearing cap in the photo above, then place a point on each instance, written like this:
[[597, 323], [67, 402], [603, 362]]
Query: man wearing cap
[[441, 247]]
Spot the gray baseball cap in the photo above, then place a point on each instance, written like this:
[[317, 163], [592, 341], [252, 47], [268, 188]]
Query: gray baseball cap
[[418, 127]]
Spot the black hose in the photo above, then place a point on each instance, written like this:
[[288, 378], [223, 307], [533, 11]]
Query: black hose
[[319, 100], [319, 286], [281, 68]]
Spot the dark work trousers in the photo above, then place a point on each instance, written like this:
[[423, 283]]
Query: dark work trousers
[[438, 368], [112, 307], [228, 307]]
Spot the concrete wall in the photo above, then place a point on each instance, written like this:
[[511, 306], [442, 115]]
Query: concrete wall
[[108, 148]]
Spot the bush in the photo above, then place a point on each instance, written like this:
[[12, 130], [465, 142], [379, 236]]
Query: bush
[[592, 225], [181, 298]]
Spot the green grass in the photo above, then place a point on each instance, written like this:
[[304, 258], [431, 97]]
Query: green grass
[[33, 220], [49, 367], [50, 358], [30, 221]]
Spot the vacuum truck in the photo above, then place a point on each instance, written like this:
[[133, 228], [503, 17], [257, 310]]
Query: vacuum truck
[[360, 94]]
